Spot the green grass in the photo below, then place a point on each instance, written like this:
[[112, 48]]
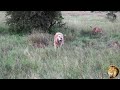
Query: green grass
[[75, 60]]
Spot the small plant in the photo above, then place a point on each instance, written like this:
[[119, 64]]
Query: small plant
[[111, 16], [39, 40]]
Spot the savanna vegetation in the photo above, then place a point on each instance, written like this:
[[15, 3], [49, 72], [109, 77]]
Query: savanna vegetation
[[31, 55]]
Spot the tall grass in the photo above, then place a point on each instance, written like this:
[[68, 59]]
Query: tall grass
[[83, 56]]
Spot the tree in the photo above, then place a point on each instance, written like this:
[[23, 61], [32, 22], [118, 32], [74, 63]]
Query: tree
[[111, 15], [26, 21]]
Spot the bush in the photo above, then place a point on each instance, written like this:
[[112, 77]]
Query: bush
[[39, 40], [25, 21], [111, 16]]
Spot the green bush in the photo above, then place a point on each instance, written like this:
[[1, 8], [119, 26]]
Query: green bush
[[26, 21]]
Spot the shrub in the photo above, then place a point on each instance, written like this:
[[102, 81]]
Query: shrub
[[111, 16], [39, 40], [25, 21]]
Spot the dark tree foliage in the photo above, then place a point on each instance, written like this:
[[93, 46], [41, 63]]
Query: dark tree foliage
[[26, 21], [111, 15]]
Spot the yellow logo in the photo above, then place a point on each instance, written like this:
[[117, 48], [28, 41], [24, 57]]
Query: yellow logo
[[113, 71]]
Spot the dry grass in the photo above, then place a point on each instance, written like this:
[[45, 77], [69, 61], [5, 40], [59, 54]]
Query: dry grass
[[40, 40]]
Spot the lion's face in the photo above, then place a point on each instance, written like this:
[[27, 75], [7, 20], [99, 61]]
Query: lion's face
[[60, 38]]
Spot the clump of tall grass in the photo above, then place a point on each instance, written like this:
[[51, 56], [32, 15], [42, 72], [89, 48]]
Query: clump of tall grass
[[39, 40]]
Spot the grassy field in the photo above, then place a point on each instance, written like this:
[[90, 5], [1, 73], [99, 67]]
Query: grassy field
[[83, 56]]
